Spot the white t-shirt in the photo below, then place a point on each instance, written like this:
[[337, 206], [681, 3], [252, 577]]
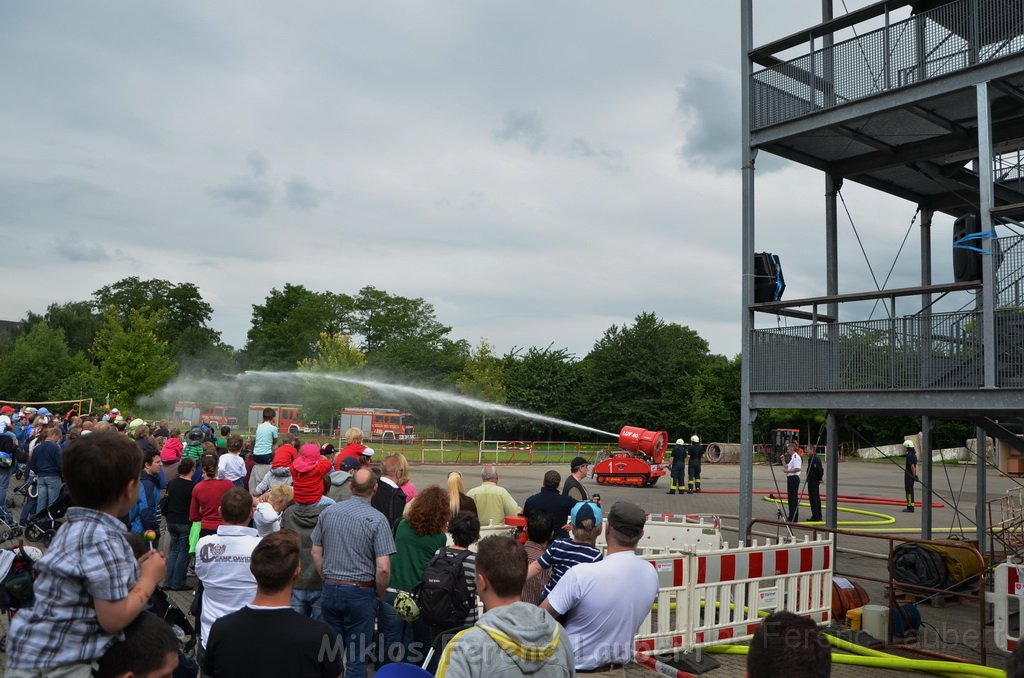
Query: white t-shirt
[[266, 519], [230, 467], [5, 422], [266, 434], [222, 564], [603, 618], [794, 465]]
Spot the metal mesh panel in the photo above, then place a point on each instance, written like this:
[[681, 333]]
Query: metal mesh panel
[[940, 351], [927, 45], [1010, 273]]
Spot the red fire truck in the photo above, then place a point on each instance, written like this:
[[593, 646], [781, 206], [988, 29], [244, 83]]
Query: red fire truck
[[287, 417], [379, 423], [218, 415]]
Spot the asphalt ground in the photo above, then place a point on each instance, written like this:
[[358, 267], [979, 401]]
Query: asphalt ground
[[949, 628]]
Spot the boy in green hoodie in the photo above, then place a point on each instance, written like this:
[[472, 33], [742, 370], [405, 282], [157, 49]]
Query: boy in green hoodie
[[511, 637]]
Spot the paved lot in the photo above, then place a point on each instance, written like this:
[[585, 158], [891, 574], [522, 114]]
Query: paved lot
[[948, 625]]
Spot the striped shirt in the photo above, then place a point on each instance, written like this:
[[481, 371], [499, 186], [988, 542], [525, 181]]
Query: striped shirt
[[563, 554], [353, 535], [90, 558], [469, 569]]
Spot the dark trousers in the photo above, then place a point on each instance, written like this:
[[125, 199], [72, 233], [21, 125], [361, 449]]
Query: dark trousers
[[694, 470], [793, 488], [678, 476], [908, 487], [814, 494]]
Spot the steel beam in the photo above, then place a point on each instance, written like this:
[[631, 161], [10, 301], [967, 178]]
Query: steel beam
[[995, 403], [894, 99], [747, 413]]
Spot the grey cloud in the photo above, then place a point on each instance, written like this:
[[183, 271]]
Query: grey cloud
[[609, 157], [523, 127], [251, 198], [709, 102], [301, 194], [257, 162]]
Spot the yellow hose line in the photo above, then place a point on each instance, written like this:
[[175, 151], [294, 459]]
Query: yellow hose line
[[888, 662], [882, 518]]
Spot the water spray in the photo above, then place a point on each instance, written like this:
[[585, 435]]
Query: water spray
[[424, 393]]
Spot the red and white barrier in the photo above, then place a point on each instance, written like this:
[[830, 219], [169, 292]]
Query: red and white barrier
[[1006, 598], [715, 597]]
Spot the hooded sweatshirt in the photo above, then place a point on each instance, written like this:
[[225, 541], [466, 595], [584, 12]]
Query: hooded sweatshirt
[[302, 518], [308, 473], [512, 640]]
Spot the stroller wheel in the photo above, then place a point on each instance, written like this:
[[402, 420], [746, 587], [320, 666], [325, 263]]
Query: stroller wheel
[[48, 537], [6, 536], [16, 531], [33, 532]]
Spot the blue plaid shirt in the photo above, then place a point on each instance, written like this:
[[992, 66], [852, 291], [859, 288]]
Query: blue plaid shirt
[[89, 558]]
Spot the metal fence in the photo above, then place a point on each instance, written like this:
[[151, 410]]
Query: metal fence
[[938, 351], [933, 43]]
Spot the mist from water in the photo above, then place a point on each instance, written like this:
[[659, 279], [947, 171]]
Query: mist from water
[[441, 397]]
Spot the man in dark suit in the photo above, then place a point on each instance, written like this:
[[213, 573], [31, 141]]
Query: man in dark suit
[[389, 498]]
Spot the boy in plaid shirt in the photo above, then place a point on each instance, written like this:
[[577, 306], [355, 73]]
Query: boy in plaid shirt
[[88, 586]]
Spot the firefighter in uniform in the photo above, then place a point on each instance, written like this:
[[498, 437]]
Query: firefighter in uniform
[[694, 452], [910, 475], [678, 467]]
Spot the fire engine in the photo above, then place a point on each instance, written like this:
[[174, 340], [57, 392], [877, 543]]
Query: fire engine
[[214, 414], [379, 423], [287, 417], [638, 463]]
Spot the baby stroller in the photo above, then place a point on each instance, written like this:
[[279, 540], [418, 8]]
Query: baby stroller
[[17, 573], [44, 524]]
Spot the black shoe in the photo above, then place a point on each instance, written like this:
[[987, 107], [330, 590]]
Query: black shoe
[[671, 492], [909, 509]]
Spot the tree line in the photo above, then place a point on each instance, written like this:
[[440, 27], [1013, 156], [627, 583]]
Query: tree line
[[133, 336]]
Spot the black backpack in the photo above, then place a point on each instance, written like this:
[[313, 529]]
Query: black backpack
[[443, 595]]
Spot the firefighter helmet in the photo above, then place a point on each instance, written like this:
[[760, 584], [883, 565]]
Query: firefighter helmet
[[695, 438], [908, 443]]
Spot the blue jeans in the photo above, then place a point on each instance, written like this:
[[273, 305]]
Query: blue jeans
[[177, 555], [307, 602], [47, 487], [403, 641], [5, 481], [350, 612]]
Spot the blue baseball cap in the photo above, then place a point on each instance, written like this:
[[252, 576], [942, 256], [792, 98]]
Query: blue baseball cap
[[585, 510]]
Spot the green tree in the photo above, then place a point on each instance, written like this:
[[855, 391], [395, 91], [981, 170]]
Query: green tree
[[542, 380], [324, 397], [715, 401], [644, 374], [78, 320], [184, 315], [482, 378], [133, 360], [39, 366], [384, 320], [287, 325]]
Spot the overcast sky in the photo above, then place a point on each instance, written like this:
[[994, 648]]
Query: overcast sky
[[536, 171]]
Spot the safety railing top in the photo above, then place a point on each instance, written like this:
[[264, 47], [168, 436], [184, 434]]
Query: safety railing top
[[943, 40]]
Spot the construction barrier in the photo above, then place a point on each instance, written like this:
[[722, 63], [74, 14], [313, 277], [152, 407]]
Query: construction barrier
[[1006, 602], [706, 598], [667, 533]]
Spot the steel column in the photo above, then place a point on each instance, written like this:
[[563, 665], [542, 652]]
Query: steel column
[[980, 504], [747, 414], [986, 194], [924, 462], [831, 470]]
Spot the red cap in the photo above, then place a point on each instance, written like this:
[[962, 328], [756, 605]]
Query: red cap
[[6, 409]]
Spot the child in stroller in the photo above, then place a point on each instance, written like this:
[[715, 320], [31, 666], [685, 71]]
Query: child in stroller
[[43, 525]]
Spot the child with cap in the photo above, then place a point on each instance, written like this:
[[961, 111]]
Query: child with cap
[[562, 554]]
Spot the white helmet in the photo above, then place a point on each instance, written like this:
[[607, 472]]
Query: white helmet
[[695, 438], [908, 444]]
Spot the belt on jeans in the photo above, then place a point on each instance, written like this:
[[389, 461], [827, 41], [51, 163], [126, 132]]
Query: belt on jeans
[[602, 668], [346, 582]]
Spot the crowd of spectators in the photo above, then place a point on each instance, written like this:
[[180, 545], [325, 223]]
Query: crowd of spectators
[[302, 558]]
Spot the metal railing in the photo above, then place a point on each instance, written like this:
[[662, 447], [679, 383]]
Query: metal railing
[[927, 45]]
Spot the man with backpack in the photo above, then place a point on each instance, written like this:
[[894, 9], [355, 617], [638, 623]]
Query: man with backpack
[[512, 637]]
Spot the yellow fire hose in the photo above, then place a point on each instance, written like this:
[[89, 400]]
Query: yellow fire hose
[[882, 660], [882, 520]]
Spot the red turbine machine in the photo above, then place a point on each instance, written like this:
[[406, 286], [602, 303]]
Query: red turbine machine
[[638, 463]]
